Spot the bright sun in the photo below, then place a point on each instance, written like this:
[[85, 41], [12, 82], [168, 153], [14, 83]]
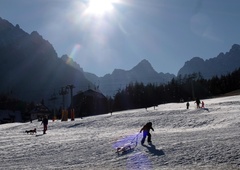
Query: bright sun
[[99, 6]]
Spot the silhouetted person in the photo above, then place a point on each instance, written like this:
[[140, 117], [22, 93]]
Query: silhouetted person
[[198, 102], [146, 132], [45, 123], [187, 105]]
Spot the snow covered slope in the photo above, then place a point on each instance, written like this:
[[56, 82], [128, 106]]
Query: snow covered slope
[[183, 139]]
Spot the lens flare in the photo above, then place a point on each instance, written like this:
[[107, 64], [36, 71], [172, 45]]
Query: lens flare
[[76, 48]]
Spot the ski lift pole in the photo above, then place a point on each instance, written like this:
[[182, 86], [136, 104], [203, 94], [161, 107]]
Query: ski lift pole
[[63, 92], [71, 100]]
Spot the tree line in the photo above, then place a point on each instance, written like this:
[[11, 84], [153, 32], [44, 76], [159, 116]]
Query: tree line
[[179, 89], [137, 95]]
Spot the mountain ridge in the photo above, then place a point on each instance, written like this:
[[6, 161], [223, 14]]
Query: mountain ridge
[[23, 57], [222, 64], [30, 67], [109, 84]]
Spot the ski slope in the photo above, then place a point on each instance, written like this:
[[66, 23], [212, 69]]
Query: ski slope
[[183, 139]]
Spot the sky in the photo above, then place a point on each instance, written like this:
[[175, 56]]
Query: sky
[[103, 35], [182, 139]]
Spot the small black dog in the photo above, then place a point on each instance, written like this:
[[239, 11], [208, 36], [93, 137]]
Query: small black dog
[[31, 131]]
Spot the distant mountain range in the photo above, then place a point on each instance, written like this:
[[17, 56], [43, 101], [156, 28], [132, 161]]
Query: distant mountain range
[[31, 69], [217, 66], [142, 72]]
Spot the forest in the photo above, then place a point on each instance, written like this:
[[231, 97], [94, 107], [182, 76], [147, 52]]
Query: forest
[[137, 95], [180, 89]]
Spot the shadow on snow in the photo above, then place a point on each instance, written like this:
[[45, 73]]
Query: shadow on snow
[[152, 149]]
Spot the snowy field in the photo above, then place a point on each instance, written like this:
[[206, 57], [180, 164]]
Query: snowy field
[[183, 139]]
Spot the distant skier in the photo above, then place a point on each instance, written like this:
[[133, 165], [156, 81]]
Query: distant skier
[[198, 102], [146, 132], [187, 105], [202, 104], [45, 123]]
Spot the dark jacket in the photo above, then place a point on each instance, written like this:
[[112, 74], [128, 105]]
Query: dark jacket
[[147, 127], [45, 121]]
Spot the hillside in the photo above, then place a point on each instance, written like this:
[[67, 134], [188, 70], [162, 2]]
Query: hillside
[[30, 68], [233, 93], [182, 139]]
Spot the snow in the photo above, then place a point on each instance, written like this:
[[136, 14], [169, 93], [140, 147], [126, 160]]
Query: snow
[[183, 139]]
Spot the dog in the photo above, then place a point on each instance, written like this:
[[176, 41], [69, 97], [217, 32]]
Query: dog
[[31, 131]]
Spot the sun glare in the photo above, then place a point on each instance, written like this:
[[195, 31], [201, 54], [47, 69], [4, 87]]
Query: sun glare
[[99, 6]]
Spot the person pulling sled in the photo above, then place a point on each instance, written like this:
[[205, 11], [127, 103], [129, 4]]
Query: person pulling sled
[[146, 133]]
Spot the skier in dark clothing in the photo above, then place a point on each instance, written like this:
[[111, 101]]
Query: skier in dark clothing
[[198, 102], [187, 105], [45, 123], [146, 132]]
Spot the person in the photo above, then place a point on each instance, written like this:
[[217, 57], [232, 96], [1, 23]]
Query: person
[[45, 123], [198, 102], [146, 132], [202, 104], [187, 105]]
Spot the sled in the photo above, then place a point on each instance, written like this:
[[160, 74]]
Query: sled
[[128, 147], [204, 108], [124, 149]]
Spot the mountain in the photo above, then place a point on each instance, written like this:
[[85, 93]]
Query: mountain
[[142, 72], [29, 66], [69, 61], [220, 65], [31, 70]]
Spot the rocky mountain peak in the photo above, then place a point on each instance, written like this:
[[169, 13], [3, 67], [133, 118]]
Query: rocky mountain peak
[[69, 61], [5, 25], [30, 63], [235, 48], [143, 66]]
